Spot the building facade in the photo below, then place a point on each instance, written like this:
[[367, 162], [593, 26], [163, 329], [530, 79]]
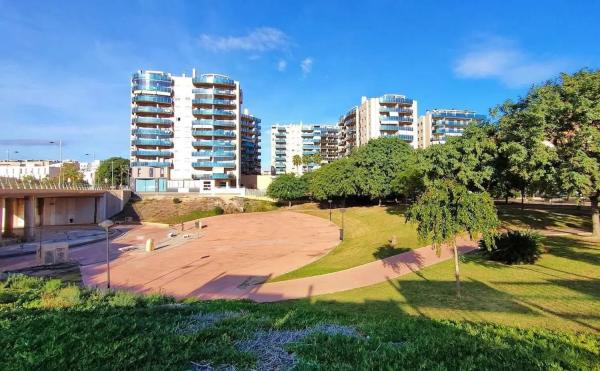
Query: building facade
[[391, 115], [304, 141], [437, 125], [39, 169], [190, 128]]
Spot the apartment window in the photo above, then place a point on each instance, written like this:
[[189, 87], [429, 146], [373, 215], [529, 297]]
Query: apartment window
[[139, 172]]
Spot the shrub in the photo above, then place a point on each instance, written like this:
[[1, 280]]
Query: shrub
[[123, 299], [176, 200], [62, 298], [516, 247], [158, 299], [218, 210]]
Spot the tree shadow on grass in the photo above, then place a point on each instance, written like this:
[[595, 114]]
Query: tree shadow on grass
[[574, 249], [388, 250]]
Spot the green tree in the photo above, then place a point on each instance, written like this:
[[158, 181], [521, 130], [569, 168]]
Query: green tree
[[28, 179], [569, 112], [334, 180], [317, 159], [287, 187], [448, 209], [113, 171], [378, 163], [297, 161], [68, 174]]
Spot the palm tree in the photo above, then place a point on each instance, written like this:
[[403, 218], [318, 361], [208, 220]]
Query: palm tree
[[297, 161]]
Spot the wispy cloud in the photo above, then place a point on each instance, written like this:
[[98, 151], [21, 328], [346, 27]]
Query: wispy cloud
[[502, 59], [281, 65], [306, 65], [259, 40]]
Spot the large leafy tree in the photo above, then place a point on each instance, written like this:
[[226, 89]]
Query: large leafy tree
[[570, 115], [69, 174], [377, 165], [334, 180], [113, 171], [526, 161], [287, 187], [448, 209]]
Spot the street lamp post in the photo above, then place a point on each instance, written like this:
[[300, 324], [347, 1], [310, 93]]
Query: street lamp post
[[93, 154], [342, 230], [330, 201], [106, 225], [60, 158]]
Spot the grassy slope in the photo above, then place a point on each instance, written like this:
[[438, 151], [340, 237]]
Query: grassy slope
[[46, 326], [368, 231]]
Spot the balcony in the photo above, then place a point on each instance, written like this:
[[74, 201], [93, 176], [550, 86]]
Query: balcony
[[213, 102], [222, 123], [406, 119], [213, 112], [465, 115], [150, 164], [212, 143], [146, 98], [395, 99], [214, 133], [213, 176], [152, 110], [156, 76], [207, 164], [150, 153], [210, 79], [396, 109], [152, 120], [147, 131], [389, 127], [457, 123], [152, 142], [215, 92]]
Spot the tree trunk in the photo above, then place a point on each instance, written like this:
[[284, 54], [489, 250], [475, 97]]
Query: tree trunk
[[522, 198], [456, 269], [289, 203], [506, 200], [380, 202], [595, 216]]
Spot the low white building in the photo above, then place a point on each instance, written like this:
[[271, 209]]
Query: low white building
[[39, 169], [89, 170]]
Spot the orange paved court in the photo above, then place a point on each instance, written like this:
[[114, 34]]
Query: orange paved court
[[234, 253]]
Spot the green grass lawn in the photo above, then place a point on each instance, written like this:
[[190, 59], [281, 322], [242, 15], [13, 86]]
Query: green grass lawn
[[546, 218], [368, 231], [561, 291], [49, 326]]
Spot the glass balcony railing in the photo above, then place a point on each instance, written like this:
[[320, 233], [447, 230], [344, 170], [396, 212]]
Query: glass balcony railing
[[214, 91], [213, 143], [148, 109], [148, 131], [213, 176], [213, 79], [151, 153], [227, 165], [152, 120], [214, 133], [457, 123], [163, 87], [150, 164], [395, 109], [447, 131], [146, 98], [395, 99], [213, 112], [467, 115], [221, 102], [389, 127], [222, 123], [156, 76], [407, 119], [152, 142]]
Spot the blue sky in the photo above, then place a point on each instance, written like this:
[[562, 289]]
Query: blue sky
[[65, 66]]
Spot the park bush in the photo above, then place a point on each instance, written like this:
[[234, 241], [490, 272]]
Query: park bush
[[516, 247], [218, 210], [176, 200]]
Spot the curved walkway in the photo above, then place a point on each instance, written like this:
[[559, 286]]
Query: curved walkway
[[363, 275]]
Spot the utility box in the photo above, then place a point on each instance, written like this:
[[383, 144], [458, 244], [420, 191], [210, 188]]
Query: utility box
[[150, 245], [52, 253]]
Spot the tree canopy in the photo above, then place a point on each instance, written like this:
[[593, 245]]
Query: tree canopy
[[287, 187], [113, 171]]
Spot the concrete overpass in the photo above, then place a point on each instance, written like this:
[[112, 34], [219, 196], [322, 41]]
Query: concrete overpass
[[26, 207]]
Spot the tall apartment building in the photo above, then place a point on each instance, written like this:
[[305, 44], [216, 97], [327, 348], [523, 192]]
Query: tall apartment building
[[389, 115], [191, 128], [291, 140], [437, 125]]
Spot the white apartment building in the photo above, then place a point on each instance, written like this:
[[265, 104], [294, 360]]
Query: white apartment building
[[39, 169], [389, 115], [89, 170], [290, 140], [437, 125], [191, 128]]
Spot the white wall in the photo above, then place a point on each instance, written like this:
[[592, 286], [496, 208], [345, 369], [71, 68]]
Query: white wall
[[182, 128]]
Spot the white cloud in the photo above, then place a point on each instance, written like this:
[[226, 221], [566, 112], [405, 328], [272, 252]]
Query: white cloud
[[259, 40], [281, 65], [493, 57], [306, 65]]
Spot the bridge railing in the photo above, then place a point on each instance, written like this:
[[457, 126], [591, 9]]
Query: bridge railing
[[16, 184]]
